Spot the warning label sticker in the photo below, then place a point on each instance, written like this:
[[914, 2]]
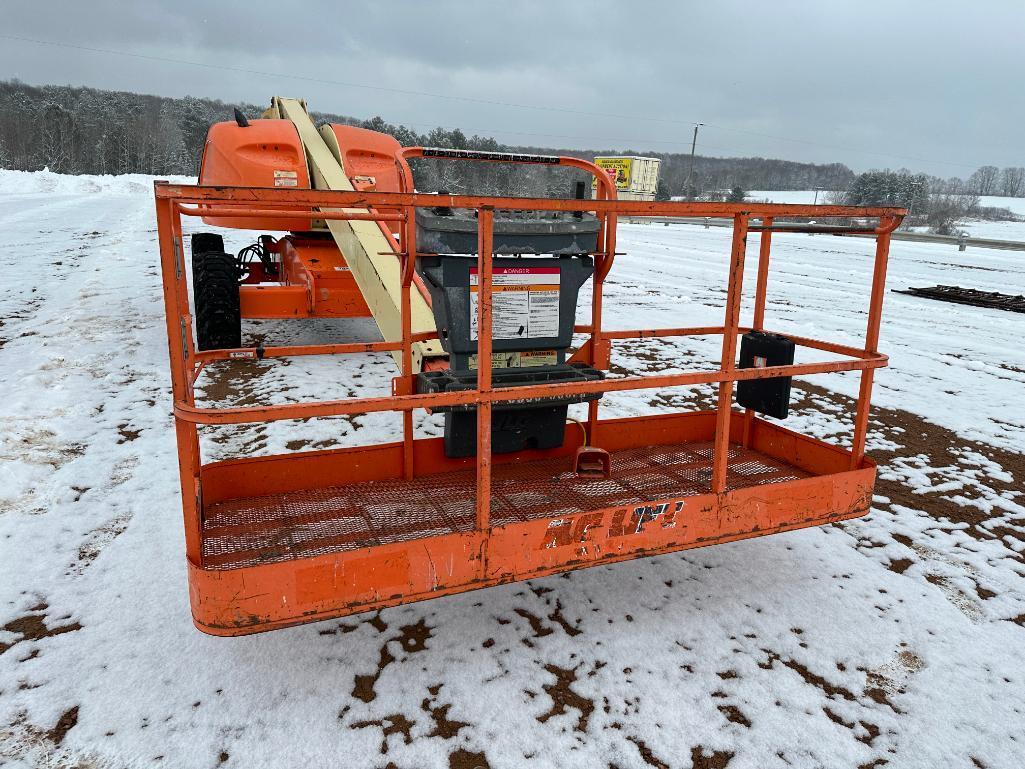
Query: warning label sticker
[[524, 302], [286, 178], [513, 359]]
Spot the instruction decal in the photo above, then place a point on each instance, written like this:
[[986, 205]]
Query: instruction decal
[[286, 178], [524, 302]]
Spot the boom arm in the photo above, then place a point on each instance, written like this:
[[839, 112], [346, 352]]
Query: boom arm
[[363, 244]]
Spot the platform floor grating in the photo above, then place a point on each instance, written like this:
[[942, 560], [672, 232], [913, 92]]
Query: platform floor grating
[[281, 527]]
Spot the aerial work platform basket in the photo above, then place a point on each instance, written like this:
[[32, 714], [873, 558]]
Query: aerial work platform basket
[[278, 540]]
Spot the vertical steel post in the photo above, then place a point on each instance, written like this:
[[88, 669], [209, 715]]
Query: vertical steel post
[[408, 268], [180, 351], [485, 241], [728, 363], [761, 289], [875, 313], [602, 267]]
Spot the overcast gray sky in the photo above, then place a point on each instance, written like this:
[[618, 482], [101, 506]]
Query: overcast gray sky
[[933, 85]]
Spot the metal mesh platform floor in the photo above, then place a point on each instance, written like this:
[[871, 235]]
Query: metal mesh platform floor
[[280, 527]]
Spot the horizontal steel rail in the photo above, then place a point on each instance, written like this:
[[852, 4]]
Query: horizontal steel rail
[[391, 200], [253, 414]]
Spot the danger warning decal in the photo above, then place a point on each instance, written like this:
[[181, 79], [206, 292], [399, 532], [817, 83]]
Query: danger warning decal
[[524, 302]]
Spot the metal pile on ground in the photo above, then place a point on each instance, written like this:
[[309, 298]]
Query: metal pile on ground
[[970, 296]]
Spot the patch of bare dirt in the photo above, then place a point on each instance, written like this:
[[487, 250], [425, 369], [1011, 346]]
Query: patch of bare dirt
[[444, 727], [465, 759], [564, 698], [412, 639], [127, 434], [890, 679], [342, 628], [67, 722], [899, 565], [389, 725], [647, 755], [32, 627], [734, 715], [715, 759], [814, 679], [556, 616], [363, 687], [945, 449]]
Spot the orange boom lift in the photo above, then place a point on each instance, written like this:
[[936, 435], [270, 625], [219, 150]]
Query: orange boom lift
[[509, 493]]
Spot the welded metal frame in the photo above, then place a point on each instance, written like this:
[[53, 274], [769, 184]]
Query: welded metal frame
[[231, 602]]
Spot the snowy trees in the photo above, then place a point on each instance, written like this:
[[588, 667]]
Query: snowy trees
[[987, 180], [86, 130], [946, 210], [57, 135], [1012, 182], [941, 207], [889, 188], [747, 173], [984, 181]]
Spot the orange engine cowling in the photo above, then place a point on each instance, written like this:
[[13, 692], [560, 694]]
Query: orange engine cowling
[[266, 153], [368, 158]]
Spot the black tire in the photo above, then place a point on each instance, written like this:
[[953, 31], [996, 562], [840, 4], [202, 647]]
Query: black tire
[[215, 293], [207, 241]]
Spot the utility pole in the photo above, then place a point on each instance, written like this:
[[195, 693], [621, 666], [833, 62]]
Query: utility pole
[[690, 170]]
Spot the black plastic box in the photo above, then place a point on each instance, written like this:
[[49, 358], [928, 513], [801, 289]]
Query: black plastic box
[[448, 277], [535, 423], [771, 397], [511, 430], [454, 231], [534, 305]]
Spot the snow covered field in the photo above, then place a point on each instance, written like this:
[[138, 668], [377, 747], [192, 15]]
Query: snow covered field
[[897, 640], [1016, 205], [977, 228]]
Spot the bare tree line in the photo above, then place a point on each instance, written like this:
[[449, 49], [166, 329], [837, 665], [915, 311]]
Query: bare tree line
[[91, 131], [990, 180]]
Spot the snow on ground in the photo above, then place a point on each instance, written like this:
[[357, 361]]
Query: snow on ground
[[895, 640], [976, 228], [1016, 205], [797, 197], [981, 228]]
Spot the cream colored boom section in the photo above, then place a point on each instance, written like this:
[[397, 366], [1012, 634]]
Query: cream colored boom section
[[365, 248]]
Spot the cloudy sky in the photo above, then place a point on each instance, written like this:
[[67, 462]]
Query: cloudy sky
[[933, 85]]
